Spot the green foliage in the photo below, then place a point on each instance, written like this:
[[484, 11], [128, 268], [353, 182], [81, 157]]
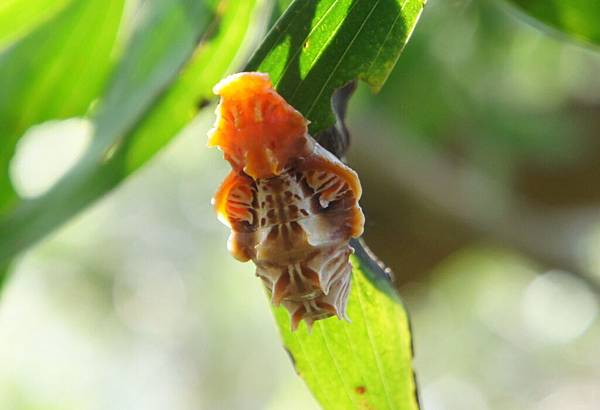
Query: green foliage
[[3, 273], [318, 46], [37, 73], [492, 92], [576, 18], [315, 48], [179, 50], [499, 101], [18, 16], [363, 364]]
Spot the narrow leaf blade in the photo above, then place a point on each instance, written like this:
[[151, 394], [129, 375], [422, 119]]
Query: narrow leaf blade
[[577, 19], [319, 46], [315, 48], [363, 364]]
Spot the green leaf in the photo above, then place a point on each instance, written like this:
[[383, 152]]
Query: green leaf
[[17, 17], [54, 71], [579, 19], [366, 364], [176, 55], [3, 275], [319, 46], [315, 48], [210, 62]]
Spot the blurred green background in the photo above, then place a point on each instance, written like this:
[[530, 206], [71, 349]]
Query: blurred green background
[[480, 163]]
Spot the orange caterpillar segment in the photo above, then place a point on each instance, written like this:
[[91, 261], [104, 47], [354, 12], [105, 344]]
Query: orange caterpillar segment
[[233, 199], [257, 130]]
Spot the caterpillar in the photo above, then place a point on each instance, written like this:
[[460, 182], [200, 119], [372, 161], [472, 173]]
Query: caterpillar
[[291, 205]]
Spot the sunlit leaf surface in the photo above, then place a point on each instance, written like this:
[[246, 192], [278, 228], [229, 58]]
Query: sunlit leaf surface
[[576, 18], [315, 48], [177, 54], [365, 364], [319, 46]]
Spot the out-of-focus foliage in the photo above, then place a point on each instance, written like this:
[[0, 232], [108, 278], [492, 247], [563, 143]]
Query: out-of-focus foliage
[[138, 305], [54, 71], [494, 333], [177, 51], [366, 363], [18, 16], [576, 18], [482, 101], [509, 118], [3, 274]]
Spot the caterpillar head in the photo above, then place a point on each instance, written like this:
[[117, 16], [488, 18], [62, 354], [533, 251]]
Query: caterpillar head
[[257, 130]]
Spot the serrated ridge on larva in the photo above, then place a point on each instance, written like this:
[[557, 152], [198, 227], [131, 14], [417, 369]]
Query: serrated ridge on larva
[[292, 207]]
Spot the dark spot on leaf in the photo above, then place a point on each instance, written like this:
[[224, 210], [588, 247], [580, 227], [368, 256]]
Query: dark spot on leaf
[[360, 390]]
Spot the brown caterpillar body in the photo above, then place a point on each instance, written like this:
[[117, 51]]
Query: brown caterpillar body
[[291, 205]]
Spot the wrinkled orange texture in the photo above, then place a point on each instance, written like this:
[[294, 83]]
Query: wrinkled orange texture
[[220, 200], [257, 130]]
